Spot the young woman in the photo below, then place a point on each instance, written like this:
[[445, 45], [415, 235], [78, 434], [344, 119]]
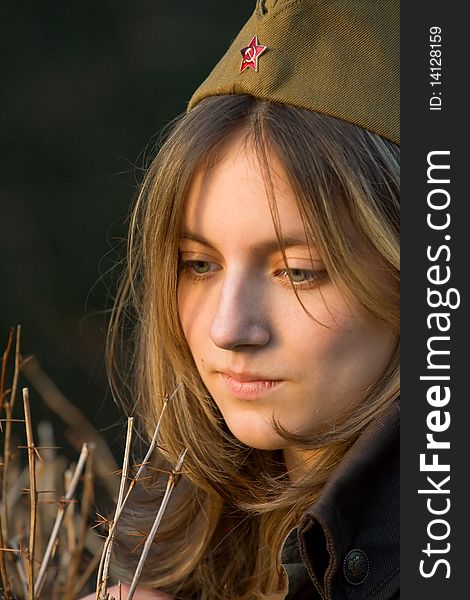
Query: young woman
[[263, 288]]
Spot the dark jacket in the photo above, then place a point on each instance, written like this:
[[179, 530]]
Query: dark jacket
[[346, 546]]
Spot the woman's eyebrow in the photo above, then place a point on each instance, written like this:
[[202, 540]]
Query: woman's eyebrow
[[196, 238], [263, 245]]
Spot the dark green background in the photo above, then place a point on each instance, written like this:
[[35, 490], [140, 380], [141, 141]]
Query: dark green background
[[85, 88]]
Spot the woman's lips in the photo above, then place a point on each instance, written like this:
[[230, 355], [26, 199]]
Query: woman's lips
[[248, 387]]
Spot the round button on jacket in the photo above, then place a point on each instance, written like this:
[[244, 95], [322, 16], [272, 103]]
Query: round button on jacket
[[355, 566]]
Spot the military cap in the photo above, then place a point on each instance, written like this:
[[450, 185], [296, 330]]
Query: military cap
[[336, 57]]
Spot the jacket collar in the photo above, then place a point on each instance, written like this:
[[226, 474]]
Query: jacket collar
[[358, 510]]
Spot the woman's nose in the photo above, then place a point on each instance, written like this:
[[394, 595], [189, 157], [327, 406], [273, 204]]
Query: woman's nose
[[240, 320]]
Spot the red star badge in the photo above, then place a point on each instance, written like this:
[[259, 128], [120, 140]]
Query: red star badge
[[250, 55]]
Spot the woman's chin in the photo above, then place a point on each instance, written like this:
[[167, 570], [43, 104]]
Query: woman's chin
[[255, 433]]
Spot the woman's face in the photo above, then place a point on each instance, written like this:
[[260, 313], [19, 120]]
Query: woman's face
[[261, 356]]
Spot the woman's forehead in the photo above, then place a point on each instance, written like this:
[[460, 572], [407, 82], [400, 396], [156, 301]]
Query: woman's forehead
[[232, 197]]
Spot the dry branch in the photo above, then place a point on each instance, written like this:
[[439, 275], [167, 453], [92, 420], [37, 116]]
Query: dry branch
[[75, 419], [132, 484], [36, 524], [153, 531], [33, 496], [4, 534], [71, 589], [3, 374], [3, 569], [60, 515], [104, 566]]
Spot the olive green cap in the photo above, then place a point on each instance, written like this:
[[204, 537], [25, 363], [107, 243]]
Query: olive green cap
[[336, 57]]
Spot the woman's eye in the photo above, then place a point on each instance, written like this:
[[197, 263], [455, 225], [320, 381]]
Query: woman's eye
[[199, 266], [299, 275], [303, 278], [198, 269]]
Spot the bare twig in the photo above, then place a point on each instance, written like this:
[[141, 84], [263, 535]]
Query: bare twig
[[70, 516], [17, 367], [23, 574], [33, 496], [67, 545], [60, 515], [4, 367], [17, 487], [87, 497], [21, 577], [4, 535], [71, 591], [3, 568], [133, 483], [74, 418], [104, 567], [49, 474], [153, 531]]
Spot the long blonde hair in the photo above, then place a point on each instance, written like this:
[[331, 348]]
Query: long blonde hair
[[234, 505]]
